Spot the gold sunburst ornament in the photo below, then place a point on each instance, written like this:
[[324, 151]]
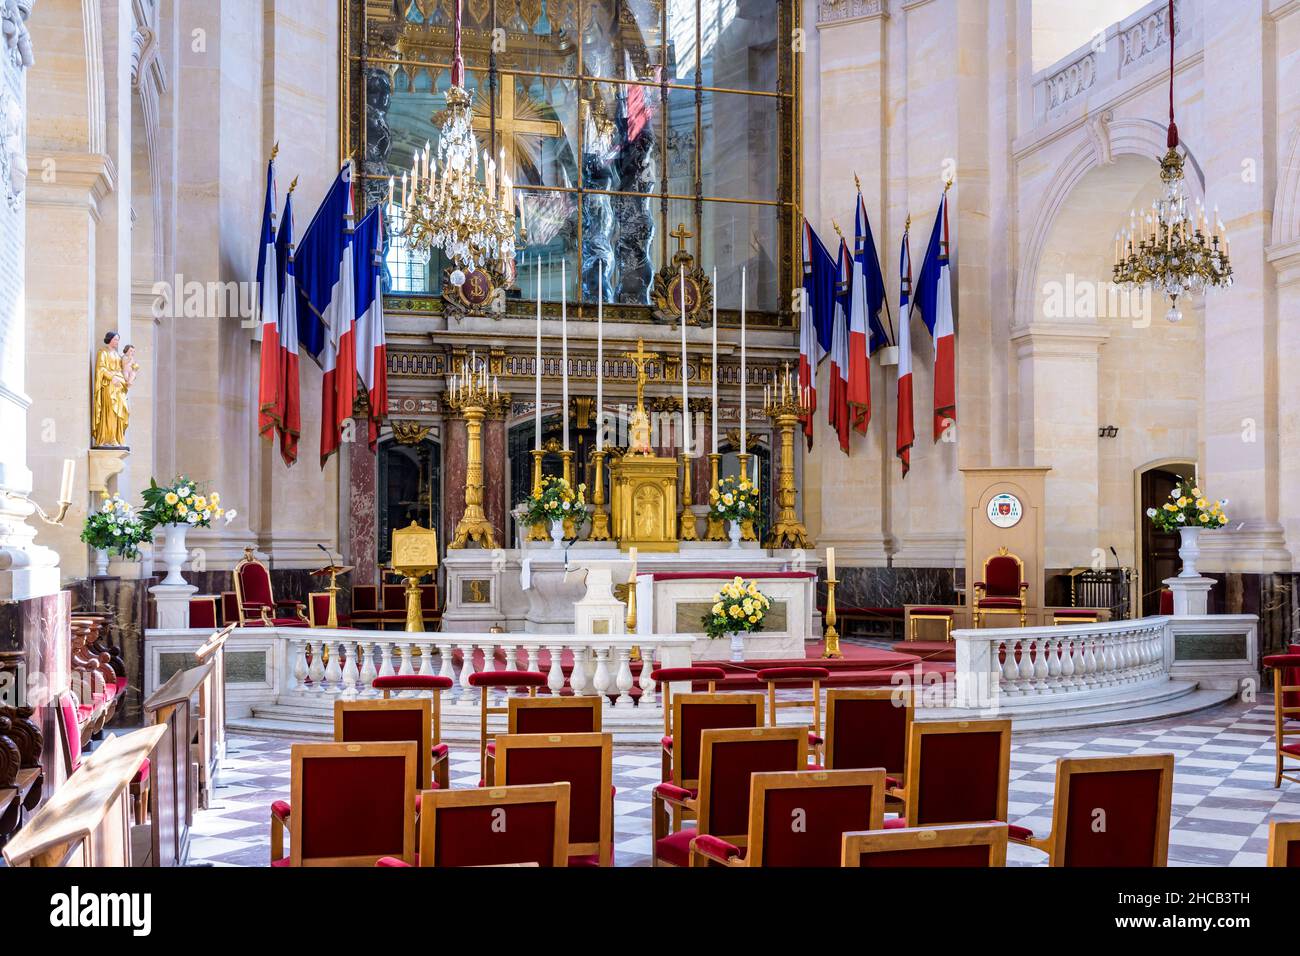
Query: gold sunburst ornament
[[443, 202], [1170, 249]]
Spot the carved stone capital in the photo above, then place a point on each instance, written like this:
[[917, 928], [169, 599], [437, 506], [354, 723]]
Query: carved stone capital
[[836, 12]]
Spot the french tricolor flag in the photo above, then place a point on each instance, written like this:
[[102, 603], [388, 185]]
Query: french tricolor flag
[[326, 278], [905, 433], [291, 420], [866, 334], [818, 302], [270, 385], [934, 301], [371, 357], [838, 412]]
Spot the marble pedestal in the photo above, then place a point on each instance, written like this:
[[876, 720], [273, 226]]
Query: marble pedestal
[[173, 604], [599, 611], [1191, 595]]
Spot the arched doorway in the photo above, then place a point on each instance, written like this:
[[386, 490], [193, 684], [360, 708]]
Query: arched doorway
[[410, 489], [1157, 551]]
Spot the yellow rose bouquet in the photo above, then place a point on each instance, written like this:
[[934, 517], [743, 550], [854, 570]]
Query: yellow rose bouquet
[[181, 502], [557, 501], [736, 499], [1188, 507], [738, 606]]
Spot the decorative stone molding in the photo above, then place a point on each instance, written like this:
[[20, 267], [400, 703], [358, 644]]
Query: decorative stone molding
[[1071, 80], [13, 150], [1148, 34], [1099, 134], [837, 12], [13, 32]]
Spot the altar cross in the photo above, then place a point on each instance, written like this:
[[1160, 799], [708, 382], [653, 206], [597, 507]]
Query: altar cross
[[517, 122], [681, 234]]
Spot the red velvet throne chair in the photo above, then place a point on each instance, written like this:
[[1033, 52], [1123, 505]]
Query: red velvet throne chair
[[256, 600], [1003, 589]]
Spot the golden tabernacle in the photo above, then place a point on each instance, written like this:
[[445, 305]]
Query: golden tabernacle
[[644, 488]]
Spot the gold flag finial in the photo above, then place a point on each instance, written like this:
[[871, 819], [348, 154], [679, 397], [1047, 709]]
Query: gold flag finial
[[947, 184], [275, 150], [293, 185], [837, 228], [856, 182], [908, 225]]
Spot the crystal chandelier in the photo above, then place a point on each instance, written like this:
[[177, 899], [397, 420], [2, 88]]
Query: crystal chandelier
[[1171, 249], [445, 205]]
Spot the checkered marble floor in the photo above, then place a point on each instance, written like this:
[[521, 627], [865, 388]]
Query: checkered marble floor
[[1223, 789]]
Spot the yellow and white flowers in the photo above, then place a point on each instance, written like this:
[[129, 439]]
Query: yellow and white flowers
[[115, 527], [1188, 507], [735, 499], [557, 501], [181, 503], [738, 606]]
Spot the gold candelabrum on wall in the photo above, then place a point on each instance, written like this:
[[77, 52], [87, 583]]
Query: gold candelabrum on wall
[[469, 392], [783, 405]]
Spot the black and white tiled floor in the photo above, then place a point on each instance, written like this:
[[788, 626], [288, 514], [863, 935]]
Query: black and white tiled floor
[[1223, 789]]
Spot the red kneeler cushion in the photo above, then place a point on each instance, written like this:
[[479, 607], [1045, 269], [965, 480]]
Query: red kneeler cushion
[[412, 682], [792, 673], [932, 611], [958, 777], [466, 836], [1129, 800], [507, 679], [672, 675]]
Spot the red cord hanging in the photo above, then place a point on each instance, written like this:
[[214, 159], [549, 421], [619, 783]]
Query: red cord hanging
[[1173, 127]]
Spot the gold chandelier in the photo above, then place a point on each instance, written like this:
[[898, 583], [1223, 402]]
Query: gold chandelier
[[1170, 249], [445, 205]]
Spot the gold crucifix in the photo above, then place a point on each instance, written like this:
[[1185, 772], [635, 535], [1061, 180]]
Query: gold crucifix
[[519, 121], [681, 234]]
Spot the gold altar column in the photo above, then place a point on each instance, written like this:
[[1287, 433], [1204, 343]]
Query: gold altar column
[[786, 410], [470, 397], [747, 525], [716, 530], [538, 532], [599, 516], [570, 525], [688, 531]]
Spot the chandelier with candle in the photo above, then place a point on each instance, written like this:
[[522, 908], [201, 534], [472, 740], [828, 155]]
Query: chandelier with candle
[[444, 203], [1170, 248]]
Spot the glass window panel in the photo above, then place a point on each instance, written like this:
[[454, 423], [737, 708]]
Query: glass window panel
[[534, 42], [738, 44], [552, 240], [681, 142], [738, 151], [536, 122], [682, 51], [740, 235], [621, 38]]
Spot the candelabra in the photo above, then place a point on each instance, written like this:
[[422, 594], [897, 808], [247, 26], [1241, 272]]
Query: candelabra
[[443, 202], [599, 516], [784, 406], [716, 530], [829, 634], [688, 531], [469, 392], [538, 531], [570, 524]]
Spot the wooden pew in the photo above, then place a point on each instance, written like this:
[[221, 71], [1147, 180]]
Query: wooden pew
[[88, 820], [210, 745], [173, 790]]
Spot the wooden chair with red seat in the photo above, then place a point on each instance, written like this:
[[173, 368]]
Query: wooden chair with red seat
[[203, 612], [728, 759], [318, 611], [815, 675], [954, 845], [372, 721], [68, 712], [1286, 713], [487, 681], [1003, 589], [393, 609], [1131, 797], [434, 684], [869, 728], [799, 818], [666, 677], [582, 760], [256, 599], [958, 772], [430, 612], [349, 805], [493, 826], [692, 715], [1284, 843], [365, 605], [229, 608], [547, 715]]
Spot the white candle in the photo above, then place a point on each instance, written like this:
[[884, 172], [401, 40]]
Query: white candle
[[600, 356], [686, 401], [537, 415], [830, 563], [564, 351], [631, 552], [65, 489], [744, 371], [713, 416]]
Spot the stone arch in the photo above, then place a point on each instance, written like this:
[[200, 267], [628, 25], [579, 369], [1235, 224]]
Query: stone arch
[[1286, 203]]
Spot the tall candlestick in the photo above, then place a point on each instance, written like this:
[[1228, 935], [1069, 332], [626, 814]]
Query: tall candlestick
[[537, 415], [600, 355], [744, 372], [686, 401], [564, 351], [713, 415], [830, 562]]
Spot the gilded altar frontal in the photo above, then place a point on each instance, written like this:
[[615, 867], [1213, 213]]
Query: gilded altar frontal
[[522, 434]]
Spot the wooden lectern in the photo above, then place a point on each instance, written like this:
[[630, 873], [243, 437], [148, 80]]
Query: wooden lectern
[[333, 570], [415, 554]]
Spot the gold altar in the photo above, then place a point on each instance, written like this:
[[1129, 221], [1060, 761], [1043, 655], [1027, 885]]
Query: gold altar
[[644, 485]]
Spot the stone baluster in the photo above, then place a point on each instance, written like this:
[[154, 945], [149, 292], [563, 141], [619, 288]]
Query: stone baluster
[[468, 693], [448, 666], [385, 660], [367, 654], [333, 673], [351, 672], [647, 682], [1090, 663], [1066, 649], [426, 660], [555, 676], [578, 676], [1053, 650], [317, 669], [1110, 646], [602, 680], [1010, 670], [623, 680], [534, 664], [1042, 647], [1026, 668], [298, 665], [406, 670]]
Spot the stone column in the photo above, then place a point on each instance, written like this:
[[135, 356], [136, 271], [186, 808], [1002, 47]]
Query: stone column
[[494, 466], [1286, 261], [453, 473], [362, 509]]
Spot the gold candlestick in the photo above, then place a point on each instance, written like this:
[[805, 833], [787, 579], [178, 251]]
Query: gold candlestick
[[470, 396], [831, 636], [688, 531], [599, 516], [538, 531], [746, 524], [570, 527], [716, 530], [414, 612], [787, 410]]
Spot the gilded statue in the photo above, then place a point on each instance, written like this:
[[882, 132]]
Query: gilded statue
[[114, 373]]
